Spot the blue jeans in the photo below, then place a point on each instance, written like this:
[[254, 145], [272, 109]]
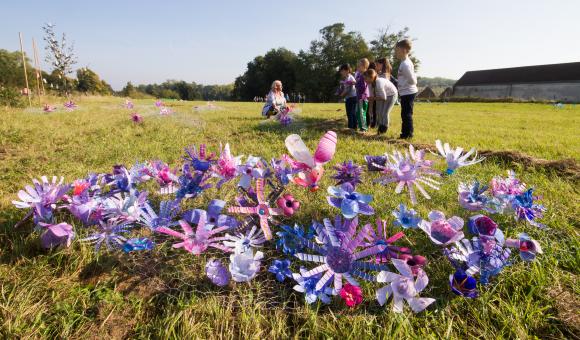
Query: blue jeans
[[350, 104]]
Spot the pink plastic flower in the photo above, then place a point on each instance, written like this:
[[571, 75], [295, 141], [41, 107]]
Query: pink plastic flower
[[288, 204], [351, 294], [442, 231]]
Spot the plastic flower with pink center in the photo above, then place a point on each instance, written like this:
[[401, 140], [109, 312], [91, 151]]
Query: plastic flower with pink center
[[442, 231], [288, 204], [165, 177], [351, 294], [403, 287], [136, 118], [380, 236], [528, 248], [198, 241], [226, 166], [506, 187], [410, 171], [416, 262]]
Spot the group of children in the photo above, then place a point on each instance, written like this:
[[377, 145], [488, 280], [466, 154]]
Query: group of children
[[372, 92]]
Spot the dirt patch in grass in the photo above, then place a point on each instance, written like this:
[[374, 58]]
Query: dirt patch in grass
[[567, 305]]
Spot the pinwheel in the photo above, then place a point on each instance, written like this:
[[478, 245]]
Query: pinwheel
[[309, 167], [41, 198], [528, 248], [380, 236], [70, 105], [308, 284], [261, 210], [456, 158], [245, 265], [55, 235], [226, 166], [215, 218], [442, 231], [281, 269], [167, 213], [348, 172], [240, 242], [199, 241], [406, 218], [403, 287], [138, 244], [408, 171], [338, 260], [109, 232], [217, 273], [350, 202]]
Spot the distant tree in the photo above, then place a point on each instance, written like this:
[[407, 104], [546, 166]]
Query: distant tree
[[383, 46], [129, 90], [89, 82], [60, 54], [11, 74]]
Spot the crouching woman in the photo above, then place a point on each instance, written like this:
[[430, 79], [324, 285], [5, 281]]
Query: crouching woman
[[275, 101]]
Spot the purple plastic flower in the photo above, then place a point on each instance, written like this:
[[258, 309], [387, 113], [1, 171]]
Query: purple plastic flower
[[463, 284], [381, 237], [129, 104], [42, 198], [110, 233], [487, 230], [478, 258], [526, 209], [138, 244], [506, 187], [125, 206], [191, 183], [56, 235], [168, 211], [348, 172], [252, 169], [406, 218], [350, 202], [214, 216], [199, 241], [217, 273], [376, 163], [529, 248], [473, 198], [281, 268], [165, 176], [240, 242], [70, 105], [282, 170], [442, 231]]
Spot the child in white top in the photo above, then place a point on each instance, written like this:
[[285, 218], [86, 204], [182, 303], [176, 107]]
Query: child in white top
[[384, 94], [407, 83]]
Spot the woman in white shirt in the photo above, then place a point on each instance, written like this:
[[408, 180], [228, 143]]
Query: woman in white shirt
[[384, 94], [275, 100]]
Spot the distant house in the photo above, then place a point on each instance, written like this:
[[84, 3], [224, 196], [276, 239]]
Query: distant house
[[558, 82], [426, 93], [448, 92]]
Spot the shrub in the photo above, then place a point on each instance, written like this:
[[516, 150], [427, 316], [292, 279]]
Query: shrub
[[10, 97]]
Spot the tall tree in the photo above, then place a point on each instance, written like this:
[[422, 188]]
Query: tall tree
[[60, 54], [383, 46]]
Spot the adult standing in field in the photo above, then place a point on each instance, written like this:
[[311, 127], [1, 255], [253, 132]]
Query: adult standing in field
[[275, 100], [407, 83]]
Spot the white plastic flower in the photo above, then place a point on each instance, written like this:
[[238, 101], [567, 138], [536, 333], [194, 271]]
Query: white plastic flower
[[245, 265], [240, 242], [402, 287], [455, 157]]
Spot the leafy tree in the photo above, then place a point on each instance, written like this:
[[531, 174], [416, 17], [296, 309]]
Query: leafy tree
[[60, 54], [11, 74], [89, 82], [383, 46]]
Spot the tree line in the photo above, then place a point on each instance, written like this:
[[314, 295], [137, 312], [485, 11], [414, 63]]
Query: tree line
[[179, 89], [313, 72]]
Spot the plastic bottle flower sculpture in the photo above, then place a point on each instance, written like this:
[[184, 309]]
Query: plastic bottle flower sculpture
[[408, 171], [199, 241], [348, 172], [262, 209], [214, 216], [507, 187], [289, 239], [528, 248], [406, 218], [480, 259], [310, 168], [226, 166], [125, 206], [526, 209], [240, 242], [463, 284], [350, 202], [200, 159], [456, 158], [403, 287], [281, 268], [442, 231], [338, 260], [129, 104], [109, 232], [245, 265], [70, 105], [165, 177], [351, 294], [42, 198], [307, 285], [288, 204], [56, 235], [167, 213], [138, 244], [136, 118], [191, 183], [47, 108], [217, 273], [473, 198], [487, 230], [381, 237], [252, 169]]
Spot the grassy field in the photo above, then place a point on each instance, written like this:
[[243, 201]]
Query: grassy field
[[73, 293]]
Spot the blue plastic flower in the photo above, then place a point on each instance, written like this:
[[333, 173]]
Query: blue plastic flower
[[214, 216], [191, 183], [528, 247], [138, 244], [290, 238], [463, 284], [281, 268], [307, 285], [406, 218], [166, 218], [350, 202], [527, 209]]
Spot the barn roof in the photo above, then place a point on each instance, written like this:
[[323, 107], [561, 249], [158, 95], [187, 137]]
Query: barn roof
[[525, 74]]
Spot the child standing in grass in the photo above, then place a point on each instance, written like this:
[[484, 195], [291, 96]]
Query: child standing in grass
[[362, 93], [407, 83], [383, 94], [348, 92]]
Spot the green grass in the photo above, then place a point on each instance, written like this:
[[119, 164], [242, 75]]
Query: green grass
[[74, 293]]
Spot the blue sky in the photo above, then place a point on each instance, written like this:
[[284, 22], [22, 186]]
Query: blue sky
[[211, 41]]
